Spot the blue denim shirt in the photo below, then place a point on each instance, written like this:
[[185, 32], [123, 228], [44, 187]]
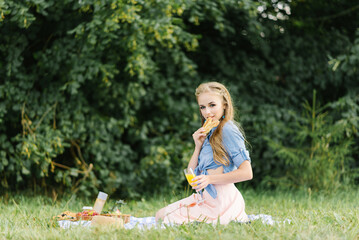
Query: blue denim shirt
[[233, 142]]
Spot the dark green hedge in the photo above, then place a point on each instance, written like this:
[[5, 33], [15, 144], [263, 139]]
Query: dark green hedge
[[100, 94]]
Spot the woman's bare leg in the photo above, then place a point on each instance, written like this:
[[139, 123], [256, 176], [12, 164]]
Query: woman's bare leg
[[160, 214]]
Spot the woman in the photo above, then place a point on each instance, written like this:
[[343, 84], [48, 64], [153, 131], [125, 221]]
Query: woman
[[219, 160]]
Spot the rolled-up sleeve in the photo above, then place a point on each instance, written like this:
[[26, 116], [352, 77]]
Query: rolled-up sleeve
[[233, 142]]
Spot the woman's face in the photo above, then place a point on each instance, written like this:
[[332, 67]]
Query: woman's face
[[211, 105]]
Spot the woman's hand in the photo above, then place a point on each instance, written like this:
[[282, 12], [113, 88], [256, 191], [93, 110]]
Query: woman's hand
[[201, 182], [199, 137]]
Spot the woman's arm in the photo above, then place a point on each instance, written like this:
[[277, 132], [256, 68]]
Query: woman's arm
[[194, 159], [243, 173], [198, 137]]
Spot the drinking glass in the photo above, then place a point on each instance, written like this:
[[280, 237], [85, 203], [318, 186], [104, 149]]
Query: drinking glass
[[189, 176]]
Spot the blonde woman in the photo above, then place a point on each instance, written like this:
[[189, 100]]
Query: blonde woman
[[219, 160]]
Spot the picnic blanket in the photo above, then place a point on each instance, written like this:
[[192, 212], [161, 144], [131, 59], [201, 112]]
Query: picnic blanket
[[147, 223]]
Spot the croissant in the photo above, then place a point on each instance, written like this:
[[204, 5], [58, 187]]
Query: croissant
[[209, 124]]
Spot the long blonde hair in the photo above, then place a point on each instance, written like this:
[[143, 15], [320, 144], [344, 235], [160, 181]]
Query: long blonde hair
[[220, 154]]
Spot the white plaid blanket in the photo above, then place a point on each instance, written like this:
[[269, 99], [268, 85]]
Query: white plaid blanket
[[150, 222]]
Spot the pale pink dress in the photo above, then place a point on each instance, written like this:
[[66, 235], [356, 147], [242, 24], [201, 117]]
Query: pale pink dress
[[228, 206]]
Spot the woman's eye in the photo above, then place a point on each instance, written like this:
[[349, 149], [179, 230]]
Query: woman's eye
[[201, 107], [212, 105]]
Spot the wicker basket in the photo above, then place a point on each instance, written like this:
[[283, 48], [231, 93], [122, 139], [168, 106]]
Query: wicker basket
[[84, 218], [124, 217]]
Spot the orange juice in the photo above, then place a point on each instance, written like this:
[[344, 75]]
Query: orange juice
[[190, 177]]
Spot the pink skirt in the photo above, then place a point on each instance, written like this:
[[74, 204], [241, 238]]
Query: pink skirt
[[228, 206]]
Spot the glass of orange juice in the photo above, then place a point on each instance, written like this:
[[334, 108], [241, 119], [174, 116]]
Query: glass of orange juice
[[189, 176]]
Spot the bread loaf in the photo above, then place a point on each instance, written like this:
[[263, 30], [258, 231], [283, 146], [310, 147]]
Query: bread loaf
[[107, 221]]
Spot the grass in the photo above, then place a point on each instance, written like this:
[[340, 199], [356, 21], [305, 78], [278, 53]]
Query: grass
[[313, 216]]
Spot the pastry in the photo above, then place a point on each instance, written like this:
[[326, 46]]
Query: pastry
[[209, 124]]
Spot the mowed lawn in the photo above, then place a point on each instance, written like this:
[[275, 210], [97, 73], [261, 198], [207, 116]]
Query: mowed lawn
[[312, 215]]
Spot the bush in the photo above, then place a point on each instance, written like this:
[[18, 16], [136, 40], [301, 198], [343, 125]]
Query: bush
[[320, 157], [100, 94]]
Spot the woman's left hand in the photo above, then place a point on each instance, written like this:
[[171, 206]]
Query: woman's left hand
[[201, 182]]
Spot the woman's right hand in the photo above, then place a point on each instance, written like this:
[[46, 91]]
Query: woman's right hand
[[199, 137]]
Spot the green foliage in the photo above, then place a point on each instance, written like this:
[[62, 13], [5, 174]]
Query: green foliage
[[348, 61], [100, 94], [321, 155]]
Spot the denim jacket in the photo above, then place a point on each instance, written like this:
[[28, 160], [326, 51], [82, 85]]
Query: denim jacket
[[233, 142]]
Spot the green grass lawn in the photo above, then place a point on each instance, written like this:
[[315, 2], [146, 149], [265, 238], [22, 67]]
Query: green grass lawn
[[313, 216]]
